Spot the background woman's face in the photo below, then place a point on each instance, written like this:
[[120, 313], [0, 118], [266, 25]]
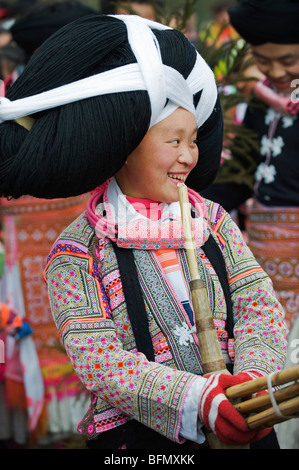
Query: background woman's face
[[280, 64]]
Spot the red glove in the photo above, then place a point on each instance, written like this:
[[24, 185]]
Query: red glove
[[219, 415]]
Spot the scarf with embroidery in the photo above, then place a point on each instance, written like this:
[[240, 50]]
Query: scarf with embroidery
[[112, 216]]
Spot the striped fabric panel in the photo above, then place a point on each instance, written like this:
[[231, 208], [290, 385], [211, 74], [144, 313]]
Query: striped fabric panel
[[168, 260], [169, 263]]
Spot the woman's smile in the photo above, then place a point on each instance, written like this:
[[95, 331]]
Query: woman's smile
[[179, 178]]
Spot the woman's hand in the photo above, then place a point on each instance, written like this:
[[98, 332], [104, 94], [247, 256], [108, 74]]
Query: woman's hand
[[219, 415]]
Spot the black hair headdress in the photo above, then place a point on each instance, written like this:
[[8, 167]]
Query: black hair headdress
[[40, 21], [262, 21], [75, 145]]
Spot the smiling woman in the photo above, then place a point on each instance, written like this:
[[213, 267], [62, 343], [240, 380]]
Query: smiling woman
[[127, 108], [279, 63]]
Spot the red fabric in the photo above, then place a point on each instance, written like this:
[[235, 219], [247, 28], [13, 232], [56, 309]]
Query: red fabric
[[220, 416], [4, 13]]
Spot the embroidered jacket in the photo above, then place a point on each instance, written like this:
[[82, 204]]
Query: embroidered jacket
[[89, 309], [277, 160]]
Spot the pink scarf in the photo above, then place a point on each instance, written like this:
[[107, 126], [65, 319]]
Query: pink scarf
[[142, 232], [282, 104]]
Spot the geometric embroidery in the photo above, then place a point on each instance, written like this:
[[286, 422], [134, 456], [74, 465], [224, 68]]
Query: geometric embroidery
[[99, 339], [76, 298]]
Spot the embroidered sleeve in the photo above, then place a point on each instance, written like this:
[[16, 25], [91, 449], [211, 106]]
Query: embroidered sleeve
[[126, 380], [259, 328]]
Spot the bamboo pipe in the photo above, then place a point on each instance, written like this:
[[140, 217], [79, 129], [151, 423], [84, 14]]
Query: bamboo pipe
[[263, 402], [257, 385], [267, 418], [210, 351], [211, 355], [286, 398]]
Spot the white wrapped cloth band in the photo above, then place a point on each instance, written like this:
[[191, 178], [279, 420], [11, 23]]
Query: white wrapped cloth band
[[163, 83]]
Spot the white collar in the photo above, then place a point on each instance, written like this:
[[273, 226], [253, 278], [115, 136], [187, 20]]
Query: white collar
[[123, 211]]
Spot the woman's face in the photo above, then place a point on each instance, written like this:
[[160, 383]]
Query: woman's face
[[165, 157], [280, 64]]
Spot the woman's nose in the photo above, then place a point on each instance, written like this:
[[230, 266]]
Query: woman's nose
[[187, 156], [276, 70]]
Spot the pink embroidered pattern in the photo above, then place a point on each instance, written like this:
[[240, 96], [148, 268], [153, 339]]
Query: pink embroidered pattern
[[146, 233], [98, 336]]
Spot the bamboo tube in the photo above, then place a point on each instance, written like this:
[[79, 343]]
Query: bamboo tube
[[268, 418], [263, 402], [257, 385], [211, 355]]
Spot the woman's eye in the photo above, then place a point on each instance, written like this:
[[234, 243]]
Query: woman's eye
[[261, 61], [289, 62]]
